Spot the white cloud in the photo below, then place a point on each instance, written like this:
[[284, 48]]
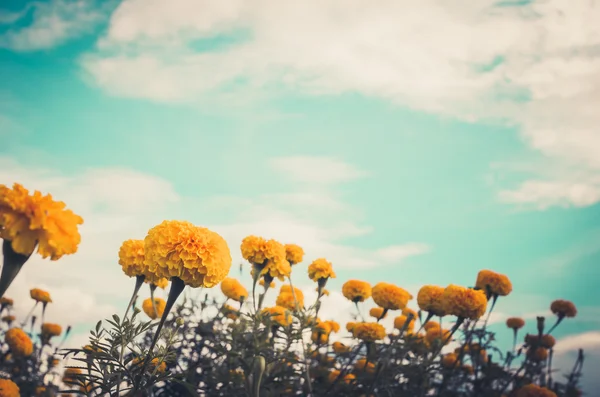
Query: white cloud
[[316, 170], [53, 23], [532, 65]]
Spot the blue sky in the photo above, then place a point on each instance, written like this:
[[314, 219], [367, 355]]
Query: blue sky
[[402, 142]]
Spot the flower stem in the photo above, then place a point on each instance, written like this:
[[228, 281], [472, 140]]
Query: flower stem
[[13, 262]]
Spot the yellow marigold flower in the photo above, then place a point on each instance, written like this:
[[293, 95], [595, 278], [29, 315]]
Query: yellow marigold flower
[[350, 326], [333, 375], [340, 348], [131, 257], [377, 312], [8, 319], [30, 220], [153, 364], [293, 253], [356, 290], [563, 308], [449, 360], [335, 327], [39, 295], [233, 289], [464, 302], [149, 309], [323, 327], [515, 323], [40, 390], [161, 283], [49, 329], [498, 284], [71, 376], [6, 302], [548, 341], [254, 250], [267, 256], [320, 269], [286, 299], [434, 334], [323, 291], [8, 388], [406, 311], [287, 289], [198, 256], [431, 325], [362, 365], [319, 338], [262, 283], [390, 296], [278, 315], [369, 332], [533, 390], [90, 349], [538, 353], [430, 300], [18, 342], [401, 320]]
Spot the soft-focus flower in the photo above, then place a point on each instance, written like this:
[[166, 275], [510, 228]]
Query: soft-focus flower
[[563, 308], [320, 269], [230, 312], [294, 253], [401, 320], [30, 220], [198, 256], [433, 334], [498, 284], [39, 295], [267, 256], [8, 319], [18, 342], [340, 348], [131, 258], [548, 341], [362, 365], [335, 327], [369, 332], [233, 289], [406, 311], [377, 312], [356, 290], [323, 291], [464, 302], [515, 323], [50, 330], [430, 300], [533, 390], [287, 289], [6, 302], [449, 360], [149, 308], [8, 388], [262, 283], [468, 369], [161, 283], [538, 353], [278, 315], [350, 326], [431, 325], [71, 376], [287, 300], [390, 296]]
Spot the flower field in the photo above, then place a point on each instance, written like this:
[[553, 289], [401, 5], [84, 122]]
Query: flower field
[[236, 345]]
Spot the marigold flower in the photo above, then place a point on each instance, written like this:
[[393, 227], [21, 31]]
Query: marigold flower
[[390, 296], [515, 323], [323, 327], [401, 320], [293, 253], [340, 348], [320, 269], [18, 342], [464, 302], [8, 319], [40, 390], [161, 283], [50, 330], [406, 311], [350, 326], [8, 388], [377, 312], [431, 325], [131, 258], [278, 315], [287, 300], [262, 283], [198, 256], [319, 338], [434, 334], [430, 300], [233, 289], [449, 360], [468, 369], [323, 291], [267, 256], [333, 375], [6, 302], [30, 220], [356, 290], [287, 289], [563, 308], [91, 349], [335, 327], [498, 284], [369, 332], [230, 312], [71, 376], [149, 309], [39, 295], [533, 390], [538, 353], [548, 341], [362, 365]]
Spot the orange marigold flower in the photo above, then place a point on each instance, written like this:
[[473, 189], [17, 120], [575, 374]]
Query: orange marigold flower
[[468, 369], [131, 258], [18, 342], [369, 332], [464, 302], [287, 300], [563, 308], [356, 290], [40, 390], [8, 319], [532, 339], [335, 327], [34, 220], [233, 289], [161, 283], [267, 256], [350, 326], [548, 341], [323, 291], [91, 349], [320, 269], [49, 329], [322, 327], [262, 283], [319, 338], [431, 325], [198, 256], [377, 312], [340, 348], [401, 320], [533, 390], [71, 376], [449, 360], [278, 315], [293, 253], [230, 312], [406, 311], [287, 289], [430, 300], [4, 301], [39, 295], [333, 375], [153, 364], [390, 296], [434, 334], [149, 309], [498, 284], [538, 353], [362, 365], [8, 388], [515, 323]]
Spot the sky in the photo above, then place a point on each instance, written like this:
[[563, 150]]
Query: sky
[[415, 143]]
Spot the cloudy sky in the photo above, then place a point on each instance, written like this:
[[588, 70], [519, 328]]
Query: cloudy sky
[[413, 142]]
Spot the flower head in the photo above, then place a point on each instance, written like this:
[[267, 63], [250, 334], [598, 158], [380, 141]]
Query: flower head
[[50, 330], [39, 295], [449, 360], [71, 376], [149, 309], [294, 253], [320, 269], [369, 332], [356, 290], [131, 258], [233, 289], [377, 312], [430, 300], [437, 334], [161, 283], [464, 302], [262, 283], [268, 257], [278, 315], [287, 300], [198, 256], [8, 319], [340, 348], [498, 284], [6, 302], [533, 390], [30, 220], [18, 342], [8, 388], [563, 308], [515, 323], [362, 365], [390, 296], [401, 320]]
